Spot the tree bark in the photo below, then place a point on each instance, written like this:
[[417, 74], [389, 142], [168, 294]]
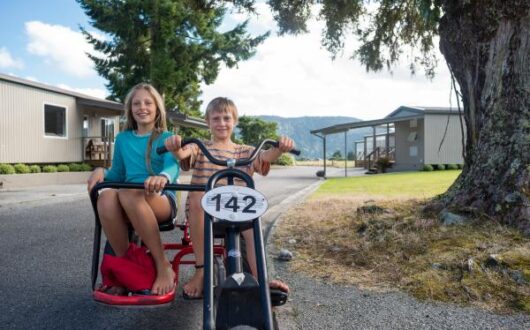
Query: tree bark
[[486, 45]]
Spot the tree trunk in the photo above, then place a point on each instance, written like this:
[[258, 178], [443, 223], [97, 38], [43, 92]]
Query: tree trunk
[[486, 45]]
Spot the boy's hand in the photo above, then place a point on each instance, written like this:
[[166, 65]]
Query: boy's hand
[[173, 142], [97, 176], [155, 184], [285, 144]]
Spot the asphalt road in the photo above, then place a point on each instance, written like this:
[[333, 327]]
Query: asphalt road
[[45, 258]]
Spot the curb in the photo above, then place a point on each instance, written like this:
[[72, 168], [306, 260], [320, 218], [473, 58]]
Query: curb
[[283, 315]]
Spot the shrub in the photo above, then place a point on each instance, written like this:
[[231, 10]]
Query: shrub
[[75, 167], [7, 169], [49, 169], [21, 168], [383, 163], [460, 166], [63, 168], [34, 168], [451, 167], [440, 167], [285, 160], [427, 168], [86, 167]]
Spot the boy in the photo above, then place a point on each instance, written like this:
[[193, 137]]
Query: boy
[[221, 117]]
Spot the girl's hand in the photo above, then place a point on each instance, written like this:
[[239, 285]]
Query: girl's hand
[[172, 143], [285, 144], [97, 176], [155, 184]]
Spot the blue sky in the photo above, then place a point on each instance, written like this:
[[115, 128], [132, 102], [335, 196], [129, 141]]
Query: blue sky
[[289, 76]]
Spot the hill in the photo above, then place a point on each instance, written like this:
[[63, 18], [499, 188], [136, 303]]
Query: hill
[[299, 128]]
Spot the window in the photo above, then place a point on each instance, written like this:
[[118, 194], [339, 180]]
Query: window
[[413, 136], [413, 151], [413, 123], [85, 126], [54, 121], [107, 129]]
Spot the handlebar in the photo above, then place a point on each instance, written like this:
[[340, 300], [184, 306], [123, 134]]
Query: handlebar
[[229, 162]]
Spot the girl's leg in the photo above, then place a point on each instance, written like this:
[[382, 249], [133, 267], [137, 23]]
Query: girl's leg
[[144, 212], [113, 220], [195, 285]]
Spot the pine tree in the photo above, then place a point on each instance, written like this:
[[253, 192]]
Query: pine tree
[[174, 45]]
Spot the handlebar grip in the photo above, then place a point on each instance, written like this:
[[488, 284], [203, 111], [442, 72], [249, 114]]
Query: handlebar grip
[[161, 150], [295, 152]]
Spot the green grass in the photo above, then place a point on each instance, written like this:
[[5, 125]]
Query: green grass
[[408, 184]]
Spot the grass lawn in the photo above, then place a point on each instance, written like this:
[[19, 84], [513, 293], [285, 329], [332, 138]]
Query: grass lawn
[[370, 231], [408, 184]]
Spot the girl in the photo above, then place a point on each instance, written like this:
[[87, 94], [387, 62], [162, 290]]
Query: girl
[[135, 160], [221, 117]]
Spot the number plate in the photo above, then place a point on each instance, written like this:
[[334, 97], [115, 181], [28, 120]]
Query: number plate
[[234, 203]]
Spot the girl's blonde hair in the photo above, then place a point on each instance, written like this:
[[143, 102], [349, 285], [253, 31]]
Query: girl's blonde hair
[[160, 119], [221, 104]]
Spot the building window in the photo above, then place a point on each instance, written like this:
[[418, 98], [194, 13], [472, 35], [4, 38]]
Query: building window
[[107, 129], [413, 136], [86, 126], [54, 121], [413, 151]]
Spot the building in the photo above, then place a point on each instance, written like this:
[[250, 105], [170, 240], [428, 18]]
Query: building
[[410, 136], [42, 124], [45, 124]]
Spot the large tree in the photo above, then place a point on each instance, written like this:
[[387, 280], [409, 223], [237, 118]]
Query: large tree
[[253, 130], [486, 46], [172, 44]]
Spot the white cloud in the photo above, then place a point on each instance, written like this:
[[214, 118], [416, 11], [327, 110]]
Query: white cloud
[[7, 61], [294, 76], [95, 92], [61, 47]]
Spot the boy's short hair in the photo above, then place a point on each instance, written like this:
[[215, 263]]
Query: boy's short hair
[[224, 105]]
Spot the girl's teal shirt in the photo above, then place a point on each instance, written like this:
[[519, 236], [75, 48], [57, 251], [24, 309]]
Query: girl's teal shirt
[[129, 163]]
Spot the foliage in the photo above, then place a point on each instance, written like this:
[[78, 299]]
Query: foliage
[[384, 30], [34, 168], [351, 155], [253, 130], [7, 169], [22, 168], [86, 167], [451, 167], [336, 155], [49, 169], [174, 45], [285, 160], [428, 168], [439, 167], [73, 167], [383, 163], [63, 168]]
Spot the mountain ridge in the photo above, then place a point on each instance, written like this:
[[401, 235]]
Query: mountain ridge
[[298, 128]]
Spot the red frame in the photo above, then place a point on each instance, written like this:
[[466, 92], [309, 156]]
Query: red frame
[[185, 248]]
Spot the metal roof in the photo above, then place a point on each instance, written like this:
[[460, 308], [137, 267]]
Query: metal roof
[[402, 113], [81, 98], [184, 120]]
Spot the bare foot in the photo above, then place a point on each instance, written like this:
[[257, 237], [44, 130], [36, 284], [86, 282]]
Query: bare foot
[[194, 287], [165, 280], [277, 284]]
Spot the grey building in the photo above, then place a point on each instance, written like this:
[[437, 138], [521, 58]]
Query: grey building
[[40, 123], [410, 136]]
